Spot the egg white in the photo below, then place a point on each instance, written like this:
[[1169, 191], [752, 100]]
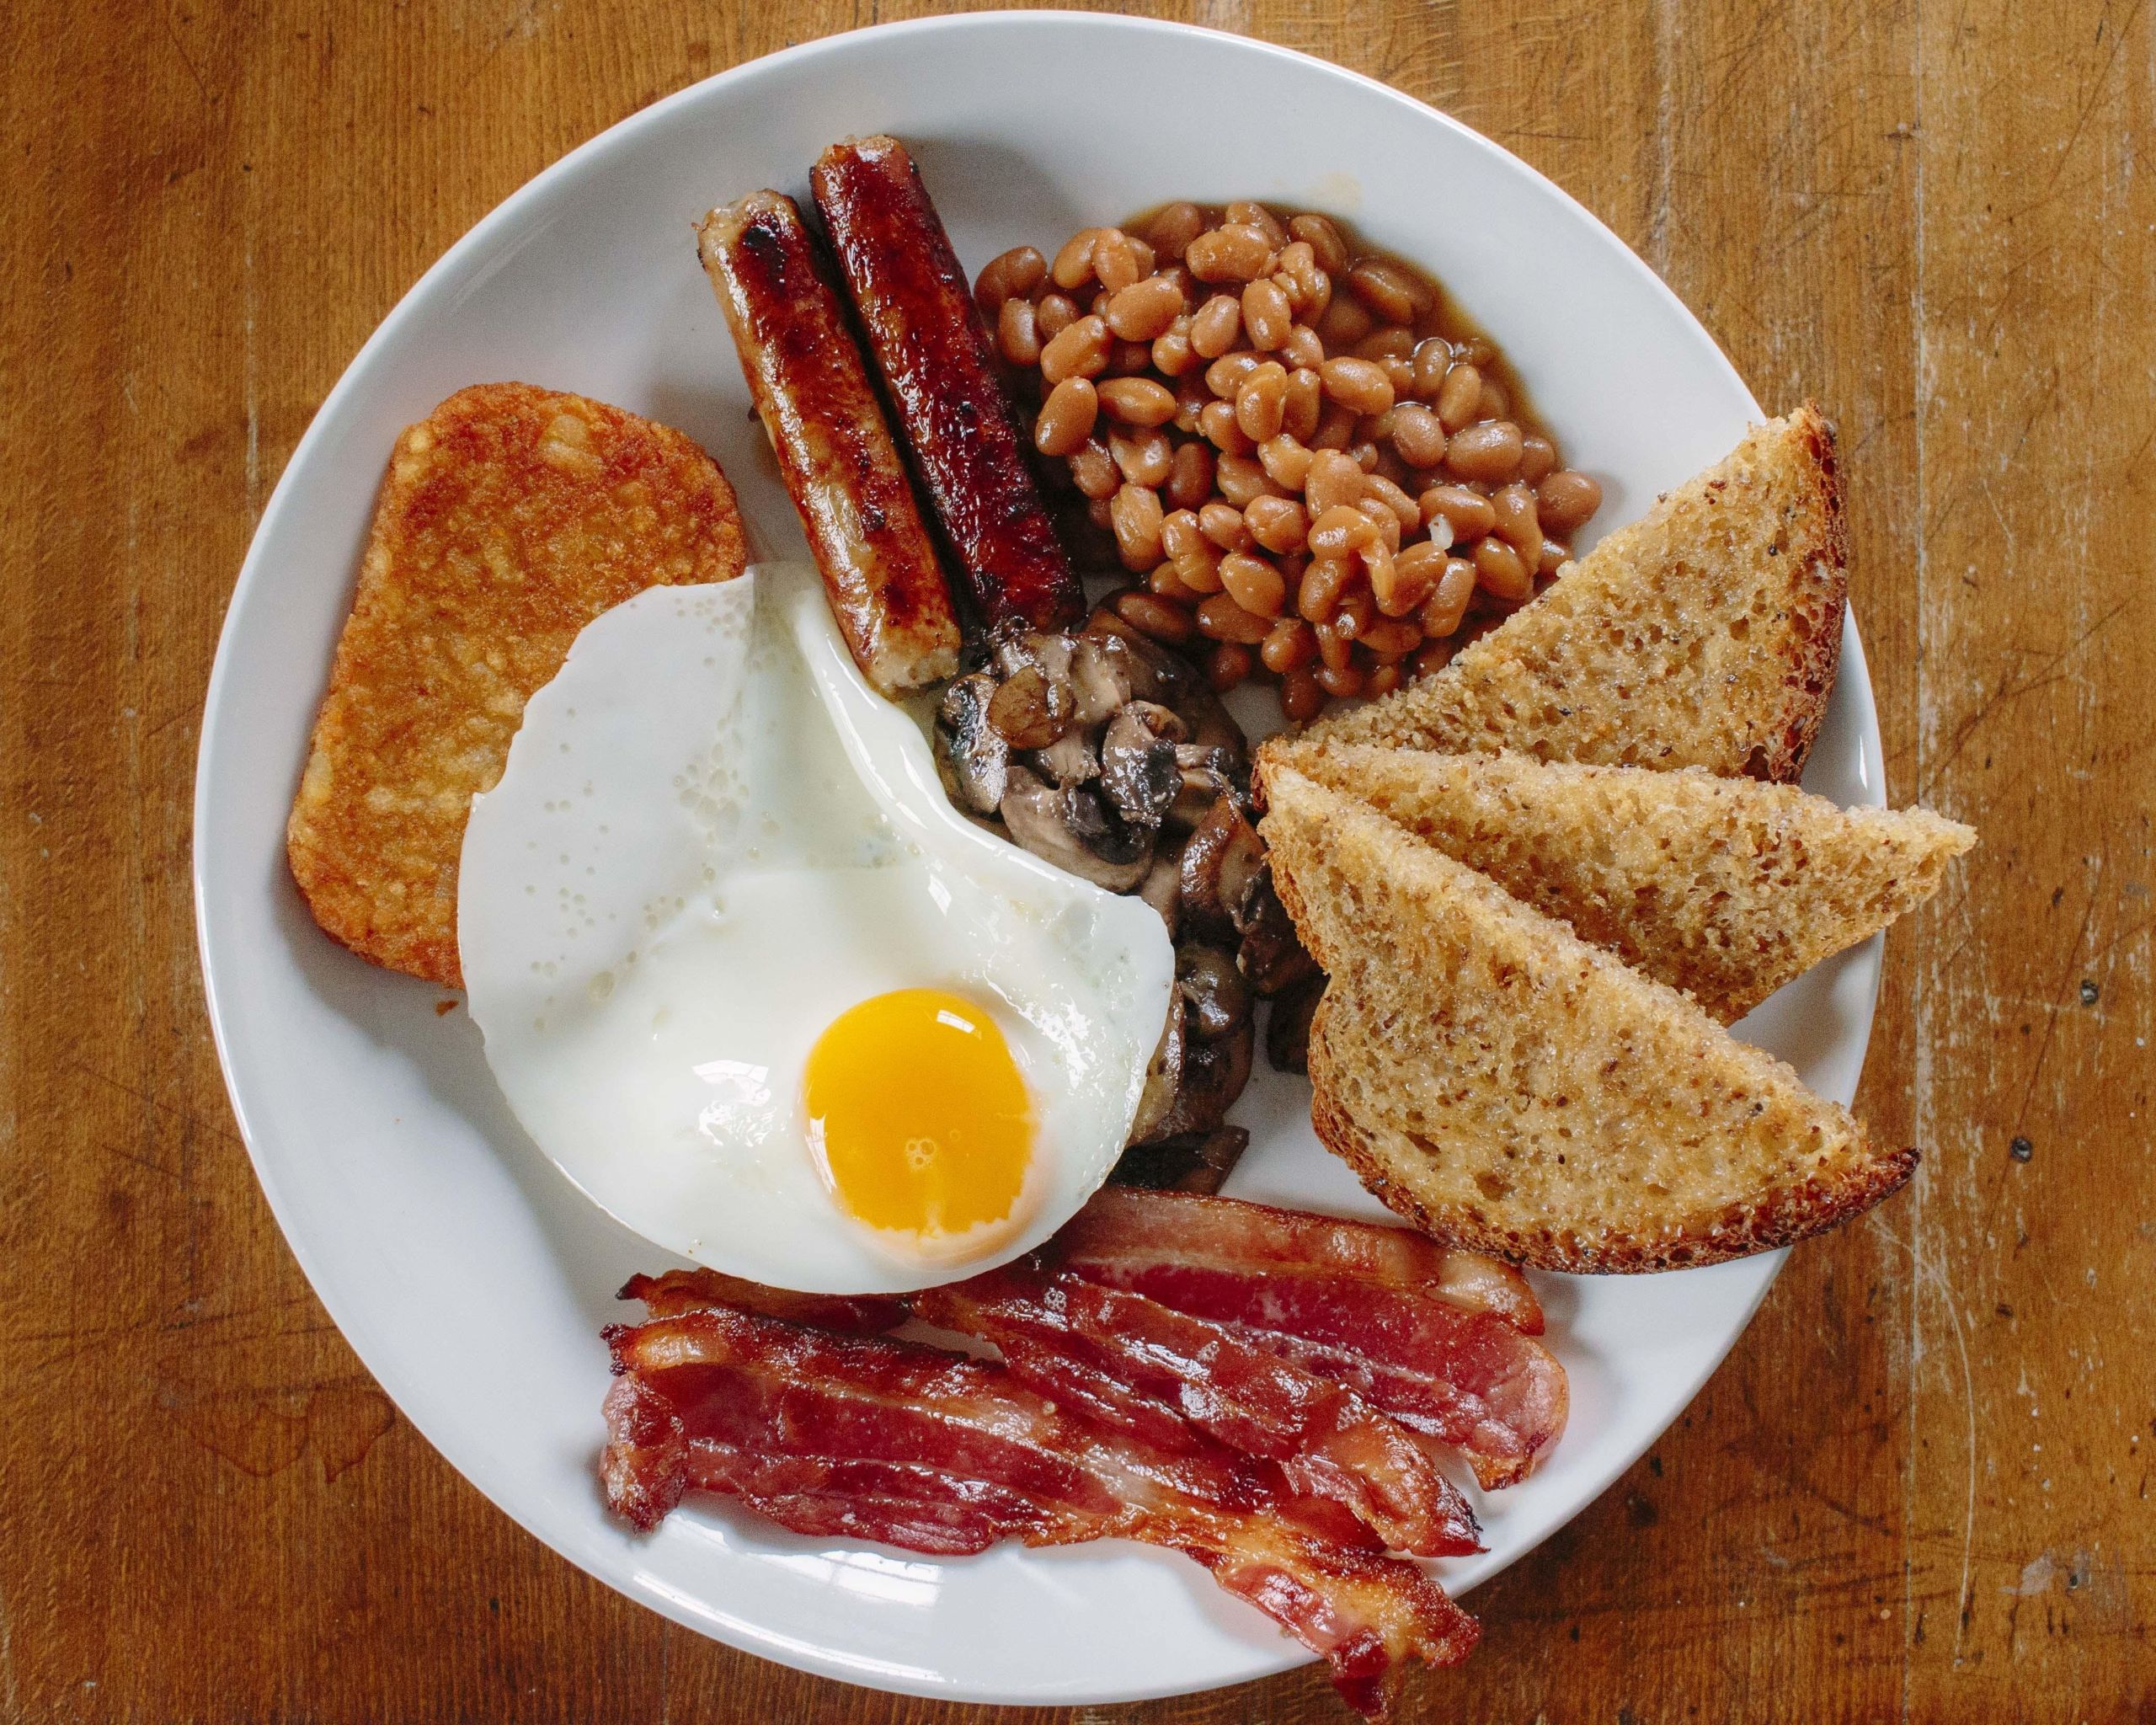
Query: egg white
[[712, 838]]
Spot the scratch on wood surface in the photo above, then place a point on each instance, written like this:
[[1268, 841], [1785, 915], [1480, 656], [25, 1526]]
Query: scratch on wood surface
[[1665, 134]]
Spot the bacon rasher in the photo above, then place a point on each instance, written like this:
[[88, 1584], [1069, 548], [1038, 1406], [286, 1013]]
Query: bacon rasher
[[1136, 1365], [885, 1439], [678, 1291], [1440, 1339]]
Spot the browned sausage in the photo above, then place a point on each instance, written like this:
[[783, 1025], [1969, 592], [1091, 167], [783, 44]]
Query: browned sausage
[[810, 384], [933, 350]]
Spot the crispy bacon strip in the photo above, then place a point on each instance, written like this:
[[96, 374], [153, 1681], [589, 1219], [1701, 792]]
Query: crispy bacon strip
[[1346, 1307], [884, 1439], [1135, 1364], [932, 348], [677, 1292]]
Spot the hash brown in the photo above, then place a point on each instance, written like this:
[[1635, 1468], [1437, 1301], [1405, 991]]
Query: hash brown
[[510, 518]]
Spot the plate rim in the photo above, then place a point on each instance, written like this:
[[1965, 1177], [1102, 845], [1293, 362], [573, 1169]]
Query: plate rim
[[505, 215]]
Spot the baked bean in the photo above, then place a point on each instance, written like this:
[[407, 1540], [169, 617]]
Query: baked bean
[[1304, 403], [1053, 314], [1432, 360], [1566, 499], [1317, 594], [1164, 583], [1391, 638], [1261, 402], [1383, 680], [1345, 323], [1226, 375], [1447, 602], [1336, 429], [1333, 480], [1217, 422], [1416, 433], [1488, 452], [1073, 267], [1242, 480], [1067, 417], [1477, 351], [1432, 657], [1279, 524], [1401, 373], [1467, 514], [1223, 523], [1302, 349], [1379, 514], [1538, 456], [1190, 476], [1229, 664], [1129, 359], [1358, 385], [1392, 292], [1458, 396], [1134, 515], [1192, 399], [1216, 326], [1302, 697], [1287, 462], [1324, 238], [1138, 401], [1154, 616], [1018, 332], [1080, 351], [1514, 505], [1496, 404], [1410, 578], [1220, 618], [1145, 455], [1555, 554], [1172, 354], [1340, 531], [1254, 584], [1094, 469], [1286, 645], [1234, 252], [1364, 454], [1500, 572], [1144, 309], [1180, 533], [1250, 215], [1199, 568], [1388, 492], [1267, 315], [1389, 343], [1335, 645], [1115, 260], [1017, 271], [1172, 230], [1298, 273]]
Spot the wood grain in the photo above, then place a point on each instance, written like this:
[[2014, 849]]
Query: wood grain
[[1919, 1488]]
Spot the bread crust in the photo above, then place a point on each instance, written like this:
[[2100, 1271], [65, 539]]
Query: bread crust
[[509, 518]]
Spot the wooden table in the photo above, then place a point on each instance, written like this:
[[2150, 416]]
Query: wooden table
[[1920, 1486]]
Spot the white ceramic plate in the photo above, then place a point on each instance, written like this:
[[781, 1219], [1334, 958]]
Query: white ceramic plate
[[409, 1193]]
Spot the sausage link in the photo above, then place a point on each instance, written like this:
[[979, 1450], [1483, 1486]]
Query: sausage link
[[811, 386], [932, 349]]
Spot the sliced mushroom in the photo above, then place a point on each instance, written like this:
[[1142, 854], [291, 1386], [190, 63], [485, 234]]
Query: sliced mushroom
[[1220, 862], [1201, 786], [1154, 673], [1217, 997], [1156, 1101], [1032, 707], [1213, 726], [1070, 828], [1102, 678], [1196, 1163], [1071, 758], [1214, 1075], [1269, 954], [1162, 888], [971, 754], [1287, 1029], [1139, 772]]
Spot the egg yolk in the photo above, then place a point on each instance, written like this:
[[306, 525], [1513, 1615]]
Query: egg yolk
[[920, 1113]]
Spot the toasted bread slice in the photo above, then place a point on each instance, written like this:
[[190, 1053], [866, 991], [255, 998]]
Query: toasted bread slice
[[1720, 887], [1704, 634], [510, 517], [1505, 1085]]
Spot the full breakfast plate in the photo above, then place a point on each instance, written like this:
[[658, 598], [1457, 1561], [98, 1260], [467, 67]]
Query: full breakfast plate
[[469, 1274]]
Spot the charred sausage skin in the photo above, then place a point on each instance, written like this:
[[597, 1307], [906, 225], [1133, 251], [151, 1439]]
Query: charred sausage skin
[[932, 348], [812, 389]]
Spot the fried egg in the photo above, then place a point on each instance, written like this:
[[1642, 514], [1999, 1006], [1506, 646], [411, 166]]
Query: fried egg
[[748, 978]]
